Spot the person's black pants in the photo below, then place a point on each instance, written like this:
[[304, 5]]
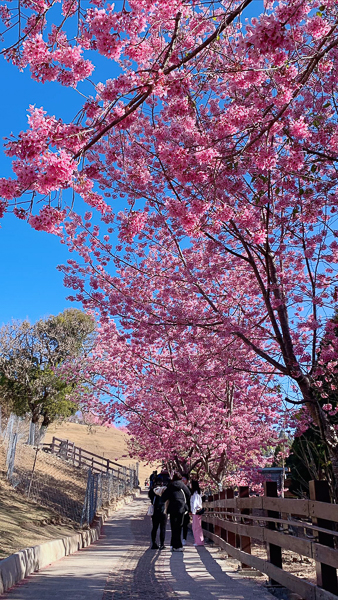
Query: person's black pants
[[159, 520], [176, 522], [186, 521]]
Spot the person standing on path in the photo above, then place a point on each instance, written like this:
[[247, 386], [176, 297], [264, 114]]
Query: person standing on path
[[196, 505], [164, 477], [152, 479], [186, 518], [179, 497], [159, 518]]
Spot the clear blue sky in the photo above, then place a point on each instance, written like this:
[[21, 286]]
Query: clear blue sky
[[29, 282], [30, 285]]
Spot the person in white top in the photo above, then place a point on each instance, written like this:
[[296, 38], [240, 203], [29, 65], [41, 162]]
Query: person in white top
[[196, 506]]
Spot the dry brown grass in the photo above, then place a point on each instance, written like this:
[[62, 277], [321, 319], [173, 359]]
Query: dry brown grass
[[109, 442], [59, 489], [51, 481], [25, 523]]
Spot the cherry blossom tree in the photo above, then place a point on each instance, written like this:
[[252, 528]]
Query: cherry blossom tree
[[189, 60], [187, 404], [223, 139]]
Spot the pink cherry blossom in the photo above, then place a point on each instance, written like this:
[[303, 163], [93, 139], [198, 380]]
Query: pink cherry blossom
[[216, 144]]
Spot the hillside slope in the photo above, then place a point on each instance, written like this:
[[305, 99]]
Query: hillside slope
[[109, 442], [23, 522]]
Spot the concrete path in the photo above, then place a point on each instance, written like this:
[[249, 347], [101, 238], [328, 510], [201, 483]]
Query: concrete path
[[121, 566]]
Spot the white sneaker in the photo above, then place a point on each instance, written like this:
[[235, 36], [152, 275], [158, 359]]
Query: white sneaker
[[184, 542], [177, 549]]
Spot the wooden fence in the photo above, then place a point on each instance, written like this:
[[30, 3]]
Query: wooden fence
[[306, 527], [82, 458]]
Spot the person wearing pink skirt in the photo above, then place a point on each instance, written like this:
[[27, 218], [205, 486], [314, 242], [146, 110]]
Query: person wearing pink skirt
[[196, 505]]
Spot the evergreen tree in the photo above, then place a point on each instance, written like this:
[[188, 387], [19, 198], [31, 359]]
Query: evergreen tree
[[31, 358]]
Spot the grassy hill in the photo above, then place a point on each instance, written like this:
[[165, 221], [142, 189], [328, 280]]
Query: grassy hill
[[109, 442], [24, 522]]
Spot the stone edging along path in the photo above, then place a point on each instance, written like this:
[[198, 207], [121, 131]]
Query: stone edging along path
[[19, 565]]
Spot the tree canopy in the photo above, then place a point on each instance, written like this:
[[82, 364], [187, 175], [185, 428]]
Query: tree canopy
[[30, 360], [223, 139]]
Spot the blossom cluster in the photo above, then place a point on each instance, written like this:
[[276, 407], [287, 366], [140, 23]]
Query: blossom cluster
[[65, 64], [216, 145]]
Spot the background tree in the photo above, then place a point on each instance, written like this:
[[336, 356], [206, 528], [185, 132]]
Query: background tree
[[308, 460], [310, 456], [31, 357]]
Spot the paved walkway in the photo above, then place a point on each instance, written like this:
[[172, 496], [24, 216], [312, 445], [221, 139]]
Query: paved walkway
[[121, 566]]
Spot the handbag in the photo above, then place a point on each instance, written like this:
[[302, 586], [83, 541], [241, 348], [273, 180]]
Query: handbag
[[159, 490], [150, 510], [200, 511]]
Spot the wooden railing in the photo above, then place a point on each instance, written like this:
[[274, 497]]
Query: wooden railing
[[306, 527], [82, 458]]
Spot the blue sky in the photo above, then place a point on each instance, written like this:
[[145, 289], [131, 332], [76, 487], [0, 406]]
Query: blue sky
[[31, 287]]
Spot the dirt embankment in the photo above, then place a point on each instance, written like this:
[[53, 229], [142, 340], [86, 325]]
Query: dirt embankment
[[109, 442], [24, 523]]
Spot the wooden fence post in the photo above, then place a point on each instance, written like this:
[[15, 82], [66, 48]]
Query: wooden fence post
[[245, 541], [231, 535], [274, 552], [223, 533], [326, 575], [217, 529], [53, 445], [211, 525]]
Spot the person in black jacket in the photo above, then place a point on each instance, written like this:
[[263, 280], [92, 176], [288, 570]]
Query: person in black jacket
[[186, 518], [159, 517], [179, 497], [164, 477], [152, 479]]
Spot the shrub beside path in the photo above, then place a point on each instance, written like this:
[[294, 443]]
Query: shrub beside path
[[121, 566]]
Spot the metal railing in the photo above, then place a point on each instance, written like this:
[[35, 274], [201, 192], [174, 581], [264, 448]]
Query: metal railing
[[83, 458], [67, 479]]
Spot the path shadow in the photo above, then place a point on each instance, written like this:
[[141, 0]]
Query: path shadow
[[121, 566], [190, 581], [146, 583], [246, 588]]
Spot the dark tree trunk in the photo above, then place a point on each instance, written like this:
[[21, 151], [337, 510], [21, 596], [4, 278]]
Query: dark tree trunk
[[35, 413], [327, 431], [46, 420]]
